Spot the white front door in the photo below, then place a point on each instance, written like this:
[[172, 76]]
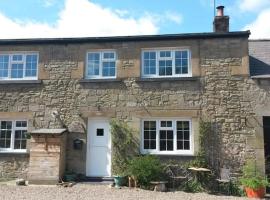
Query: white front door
[[98, 161]]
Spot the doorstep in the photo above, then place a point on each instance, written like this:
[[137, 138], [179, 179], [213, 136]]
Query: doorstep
[[97, 180]]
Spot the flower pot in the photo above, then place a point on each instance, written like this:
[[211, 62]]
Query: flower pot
[[255, 193], [118, 180]]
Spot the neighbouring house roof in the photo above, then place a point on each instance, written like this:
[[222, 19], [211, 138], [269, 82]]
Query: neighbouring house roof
[[126, 38], [259, 58], [48, 131]]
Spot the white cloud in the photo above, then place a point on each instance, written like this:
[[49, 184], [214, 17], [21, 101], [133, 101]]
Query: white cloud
[[260, 27], [121, 13], [253, 5], [48, 3], [174, 17], [83, 18]]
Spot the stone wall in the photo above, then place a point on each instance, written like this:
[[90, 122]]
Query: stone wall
[[233, 104], [220, 91], [13, 166]]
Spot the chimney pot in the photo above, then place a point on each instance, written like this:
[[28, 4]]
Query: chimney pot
[[220, 11], [221, 22]]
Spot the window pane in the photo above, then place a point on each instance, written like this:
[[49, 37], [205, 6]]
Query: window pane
[[21, 124], [180, 145], [108, 55], [108, 69], [149, 63], [169, 145], [153, 135], [170, 135], [181, 62], [162, 135], [186, 135], [166, 140], [146, 144], [17, 71], [93, 64], [184, 54], [5, 134], [163, 145], [183, 135], [165, 67], [17, 57], [166, 123], [163, 123], [153, 144], [20, 139], [180, 135], [164, 54], [186, 145], [146, 135], [31, 65], [4, 59], [149, 134]]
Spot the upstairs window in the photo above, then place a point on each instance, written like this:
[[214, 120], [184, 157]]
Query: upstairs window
[[13, 135], [101, 64], [18, 66], [166, 63]]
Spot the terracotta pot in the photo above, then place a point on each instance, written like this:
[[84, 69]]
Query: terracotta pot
[[255, 193]]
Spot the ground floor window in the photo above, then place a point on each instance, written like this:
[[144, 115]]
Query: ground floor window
[[13, 135], [166, 136]]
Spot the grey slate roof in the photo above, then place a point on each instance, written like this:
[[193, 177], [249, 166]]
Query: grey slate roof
[[259, 58], [125, 38]]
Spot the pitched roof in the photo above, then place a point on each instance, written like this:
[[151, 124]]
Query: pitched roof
[[125, 38], [259, 58]]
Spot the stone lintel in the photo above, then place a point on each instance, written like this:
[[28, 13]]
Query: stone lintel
[[108, 113], [16, 115], [45, 131], [167, 113]]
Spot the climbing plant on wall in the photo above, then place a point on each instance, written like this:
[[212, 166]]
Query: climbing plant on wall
[[125, 146]]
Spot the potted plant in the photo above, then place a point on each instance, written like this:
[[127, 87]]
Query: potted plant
[[70, 176], [254, 183], [119, 180]]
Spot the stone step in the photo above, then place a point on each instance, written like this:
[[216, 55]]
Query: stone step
[[97, 180]]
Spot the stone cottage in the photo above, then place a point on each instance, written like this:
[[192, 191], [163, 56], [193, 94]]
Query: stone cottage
[[64, 91]]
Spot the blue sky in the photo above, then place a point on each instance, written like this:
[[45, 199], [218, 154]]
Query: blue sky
[[86, 18]]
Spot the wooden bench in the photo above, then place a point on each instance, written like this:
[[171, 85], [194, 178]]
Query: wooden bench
[[159, 186]]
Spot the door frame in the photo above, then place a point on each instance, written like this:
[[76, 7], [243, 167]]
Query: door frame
[[88, 145]]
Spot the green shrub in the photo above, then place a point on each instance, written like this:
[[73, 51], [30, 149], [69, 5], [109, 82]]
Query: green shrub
[[146, 169]]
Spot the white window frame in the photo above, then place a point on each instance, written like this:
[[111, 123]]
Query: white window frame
[[158, 58], [12, 141], [101, 53], [156, 151], [24, 54]]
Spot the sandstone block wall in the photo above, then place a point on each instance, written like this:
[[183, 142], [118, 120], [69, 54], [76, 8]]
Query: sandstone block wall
[[220, 91]]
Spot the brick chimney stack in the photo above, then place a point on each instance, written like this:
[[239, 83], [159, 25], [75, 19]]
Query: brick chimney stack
[[221, 22]]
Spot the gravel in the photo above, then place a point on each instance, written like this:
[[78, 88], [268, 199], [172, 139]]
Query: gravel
[[92, 191]]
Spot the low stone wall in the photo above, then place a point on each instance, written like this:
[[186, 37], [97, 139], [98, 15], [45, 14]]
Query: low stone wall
[[13, 165]]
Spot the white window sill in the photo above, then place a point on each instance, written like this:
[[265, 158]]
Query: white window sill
[[169, 153], [16, 81], [156, 79], [13, 152], [101, 80]]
